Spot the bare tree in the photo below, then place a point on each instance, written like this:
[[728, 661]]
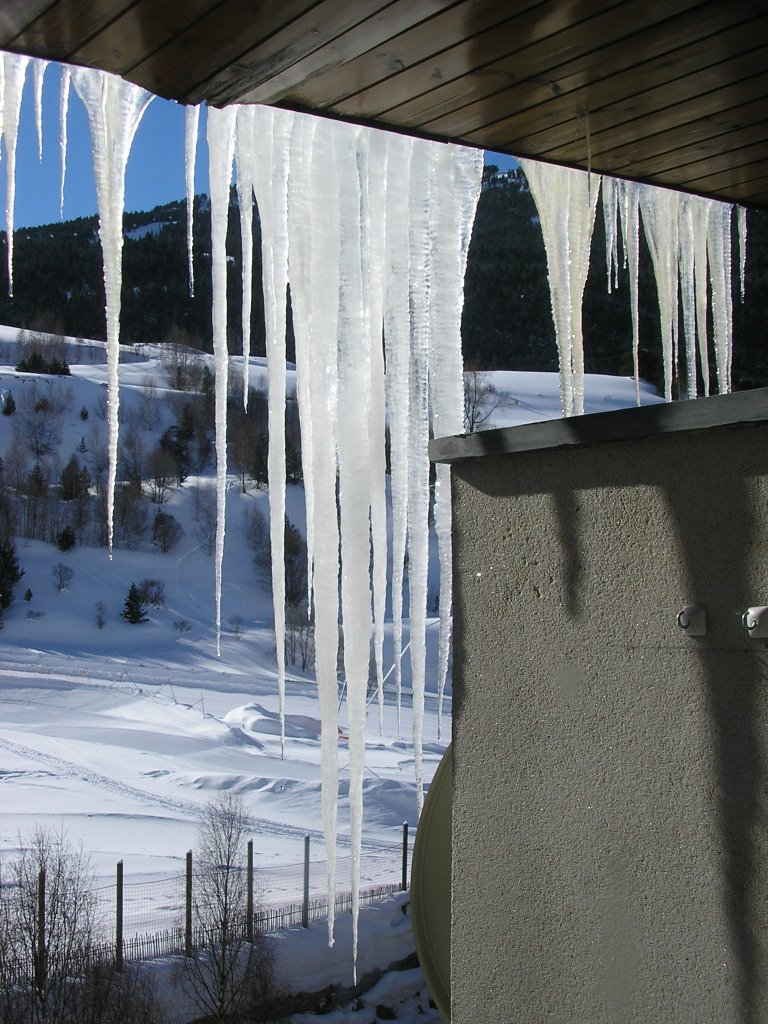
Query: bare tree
[[63, 575], [149, 409], [41, 419], [299, 637], [51, 968], [163, 474], [205, 530], [227, 978], [481, 399]]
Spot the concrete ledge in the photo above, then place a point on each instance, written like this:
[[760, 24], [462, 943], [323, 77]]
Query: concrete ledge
[[622, 425]]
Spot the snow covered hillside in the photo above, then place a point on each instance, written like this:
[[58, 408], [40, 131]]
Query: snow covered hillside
[[118, 732]]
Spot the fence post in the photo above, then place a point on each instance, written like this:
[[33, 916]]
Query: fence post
[[41, 965], [404, 884], [305, 904], [249, 898], [188, 908], [119, 918]]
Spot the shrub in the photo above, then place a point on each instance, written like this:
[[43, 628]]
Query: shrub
[[63, 575], [9, 404], [152, 592], [166, 531]]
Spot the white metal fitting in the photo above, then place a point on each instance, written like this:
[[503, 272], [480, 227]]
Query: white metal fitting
[[756, 621], [693, 620]]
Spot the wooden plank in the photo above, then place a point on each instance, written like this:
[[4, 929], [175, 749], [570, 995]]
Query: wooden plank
[[648, 34], [216, 41], [304, 79], [139, 32], [330, 34], [716, 412], [600, 82], [715, 153], [15, 16], [540, 22], [749, 174], [740, 79], [675, 128], [63, 27], [389, 56]]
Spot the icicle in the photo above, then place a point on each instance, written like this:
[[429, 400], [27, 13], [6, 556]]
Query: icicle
[[719, 256], [321, 370], [115, 108], [659, 209], [459, 175], [374, 233], [191, 126], [700, 211], [422, 174], [351, 154], [38, 73], [630, 229], [742, 222], [13, 85], [566, 200], [688, 291], [610, 201], [244, 146], [66, 77], [221, 145], [299, 215], [397, 349], [271, 130]]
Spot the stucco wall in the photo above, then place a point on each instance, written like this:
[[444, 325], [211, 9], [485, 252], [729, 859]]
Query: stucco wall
[[610, 804]]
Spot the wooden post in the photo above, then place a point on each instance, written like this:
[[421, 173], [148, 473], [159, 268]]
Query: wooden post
[[42, 954], [119, 918], [249, 898], [188, 908], [404, 883], [305, 904]]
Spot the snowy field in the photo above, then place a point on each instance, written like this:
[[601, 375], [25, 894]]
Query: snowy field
[[118, 735]]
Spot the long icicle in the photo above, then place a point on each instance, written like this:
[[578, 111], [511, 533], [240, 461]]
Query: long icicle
[[273, 131], [374, 234], [115, 108], [221, 147], [629, 209], [459, 172], [13, 86], [351, 155], [191, 128], [397, 337], [324, 286], [244, 147], [38, 73], [66, 78]]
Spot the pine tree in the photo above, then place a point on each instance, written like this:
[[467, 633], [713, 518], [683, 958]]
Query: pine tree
[[9, 404], [133, 609], [10, 573]]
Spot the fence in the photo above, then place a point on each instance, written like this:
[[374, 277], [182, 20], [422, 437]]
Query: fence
[[142, 920]]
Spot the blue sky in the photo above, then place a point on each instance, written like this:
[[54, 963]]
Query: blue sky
[[155, 172]]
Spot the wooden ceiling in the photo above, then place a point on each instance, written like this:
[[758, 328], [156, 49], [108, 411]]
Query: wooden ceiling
[[669, 91]]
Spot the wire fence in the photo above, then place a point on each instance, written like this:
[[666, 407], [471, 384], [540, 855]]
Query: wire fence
[[146, 919]]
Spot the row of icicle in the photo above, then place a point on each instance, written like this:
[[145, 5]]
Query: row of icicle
[[369, 233], [689, 239]]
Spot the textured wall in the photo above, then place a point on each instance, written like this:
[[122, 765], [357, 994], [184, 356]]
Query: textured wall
[[610, 815]]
